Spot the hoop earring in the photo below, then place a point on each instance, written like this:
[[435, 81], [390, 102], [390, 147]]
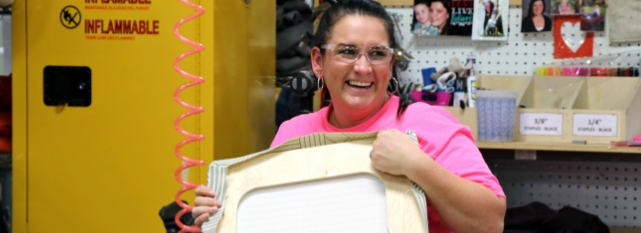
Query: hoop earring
[[395, 86], [321, 84]]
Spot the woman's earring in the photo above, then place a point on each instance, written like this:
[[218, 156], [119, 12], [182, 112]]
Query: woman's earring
[[321, 84], [395, 86]]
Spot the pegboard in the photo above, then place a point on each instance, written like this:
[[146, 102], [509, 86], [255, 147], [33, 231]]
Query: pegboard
[[610, 190], [519, 55]]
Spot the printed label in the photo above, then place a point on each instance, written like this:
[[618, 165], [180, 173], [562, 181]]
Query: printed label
[[541, 124], [603, 125]]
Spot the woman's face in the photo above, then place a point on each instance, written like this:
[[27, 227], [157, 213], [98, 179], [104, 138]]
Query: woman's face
[[439, 14], [358, 85], [565, 2], [537, 8], [422, 13]]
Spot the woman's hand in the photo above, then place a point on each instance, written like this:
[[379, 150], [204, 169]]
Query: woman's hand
[[395, 153], [205, 204]]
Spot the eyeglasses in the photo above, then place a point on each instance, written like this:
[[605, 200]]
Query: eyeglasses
[[351, 53]]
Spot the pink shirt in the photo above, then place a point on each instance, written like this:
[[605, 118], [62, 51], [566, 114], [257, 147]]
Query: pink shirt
[[440, 135]]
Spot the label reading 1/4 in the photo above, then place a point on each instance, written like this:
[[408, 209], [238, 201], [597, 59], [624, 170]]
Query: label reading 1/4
[[601, 125], [541, 124]]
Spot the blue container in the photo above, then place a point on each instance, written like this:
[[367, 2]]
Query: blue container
[[427, 72], [496, 115]]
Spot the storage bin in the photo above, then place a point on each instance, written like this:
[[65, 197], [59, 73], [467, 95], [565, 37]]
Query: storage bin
[[496, 115], [565, 109]]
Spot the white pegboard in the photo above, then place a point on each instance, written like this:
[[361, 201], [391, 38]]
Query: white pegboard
[[610, 190], [519, 55]]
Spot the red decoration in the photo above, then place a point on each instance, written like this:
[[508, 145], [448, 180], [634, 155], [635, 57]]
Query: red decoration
[[563, 50]]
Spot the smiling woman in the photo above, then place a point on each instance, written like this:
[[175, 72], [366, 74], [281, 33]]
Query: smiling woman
[[535, 17], [441, 11], [355, 64], [354, 60]]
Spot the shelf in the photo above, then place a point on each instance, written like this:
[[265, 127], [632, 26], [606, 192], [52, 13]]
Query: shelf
[[573, 104], [397, 3], [557, 147], [410, 3]]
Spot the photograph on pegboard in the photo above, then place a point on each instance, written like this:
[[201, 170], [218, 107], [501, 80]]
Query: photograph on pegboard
[[489, 18], [462, 17], [593, 15], [422, 22], [443, 17], [565, 7], [536, 16]]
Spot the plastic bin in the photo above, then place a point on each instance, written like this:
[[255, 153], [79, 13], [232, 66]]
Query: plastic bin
[[496, 115]]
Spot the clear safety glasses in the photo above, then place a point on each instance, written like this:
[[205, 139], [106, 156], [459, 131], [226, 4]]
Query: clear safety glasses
[[350, 53]]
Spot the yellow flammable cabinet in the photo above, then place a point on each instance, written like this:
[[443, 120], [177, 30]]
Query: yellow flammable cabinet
[[94, 107]]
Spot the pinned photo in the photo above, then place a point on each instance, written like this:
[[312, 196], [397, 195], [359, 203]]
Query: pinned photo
[[443, 17], [462, 19], [489, 18], [565, 7], [536, 16], [422, 23], [593, 15]]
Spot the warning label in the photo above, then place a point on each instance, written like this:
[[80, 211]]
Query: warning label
[[70, 17], [117, 8], [104, 28], [119, 1], [118, 5], [99, 26]]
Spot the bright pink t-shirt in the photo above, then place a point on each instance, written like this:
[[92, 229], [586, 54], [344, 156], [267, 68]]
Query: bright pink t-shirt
[[440, 135]]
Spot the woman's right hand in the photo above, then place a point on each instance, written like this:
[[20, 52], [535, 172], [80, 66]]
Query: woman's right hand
[[206, 204]]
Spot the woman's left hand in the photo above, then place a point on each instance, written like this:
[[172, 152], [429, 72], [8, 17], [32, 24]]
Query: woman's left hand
[[395, 153]]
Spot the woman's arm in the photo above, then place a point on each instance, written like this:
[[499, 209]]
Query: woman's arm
[[463, 205]]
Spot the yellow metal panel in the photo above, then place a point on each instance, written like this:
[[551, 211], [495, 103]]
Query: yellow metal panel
[[245, 68], [109, 167], [262, 72], [205, 121], [19, 109]]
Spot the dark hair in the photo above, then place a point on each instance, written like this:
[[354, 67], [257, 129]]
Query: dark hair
[[530, 12], [370, 8], [448, 8], [353, 7], [426, 2]]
